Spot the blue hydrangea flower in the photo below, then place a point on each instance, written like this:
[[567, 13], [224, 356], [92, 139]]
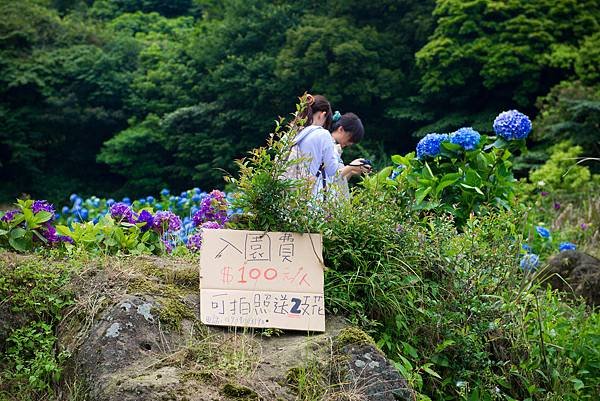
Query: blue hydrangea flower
[[184, 194], [543, 231], [65, 209], [150, 200], [529, 262], [126, 201], [72, 197], [526, 248], [466, 137], [84, 214], [512, 125], [110, 202], [429, 145], [567, 246], [164, 192], [396, 172], [142, 201]]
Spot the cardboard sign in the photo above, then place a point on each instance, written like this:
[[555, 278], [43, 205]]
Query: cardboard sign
[[262, 279]]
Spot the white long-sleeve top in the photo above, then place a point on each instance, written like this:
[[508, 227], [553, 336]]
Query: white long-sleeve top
[[316, 144]]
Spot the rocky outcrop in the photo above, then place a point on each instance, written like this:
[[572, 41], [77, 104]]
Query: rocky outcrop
[[576, 272], [144, 341]]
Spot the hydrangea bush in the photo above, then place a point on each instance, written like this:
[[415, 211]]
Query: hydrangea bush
[[31, 224], [105, 226], [461, 171]]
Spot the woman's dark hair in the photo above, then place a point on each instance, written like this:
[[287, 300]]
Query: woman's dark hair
[[352, 125], [316, 103]]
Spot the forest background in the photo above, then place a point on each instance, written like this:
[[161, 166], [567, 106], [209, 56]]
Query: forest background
[[125, 97]]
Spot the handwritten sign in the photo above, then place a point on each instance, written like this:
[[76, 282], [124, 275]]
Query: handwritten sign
[[262, 279]]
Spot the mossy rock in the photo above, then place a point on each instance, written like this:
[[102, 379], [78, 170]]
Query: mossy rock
[[172, 311], [237, 392], [352, 336]]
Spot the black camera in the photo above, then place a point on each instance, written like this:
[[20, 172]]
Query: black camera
[[366, 162]]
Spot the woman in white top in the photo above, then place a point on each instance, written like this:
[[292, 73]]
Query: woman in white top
[[318, 146]]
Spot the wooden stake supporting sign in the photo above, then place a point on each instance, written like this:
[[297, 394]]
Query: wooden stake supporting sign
[[262, 279]]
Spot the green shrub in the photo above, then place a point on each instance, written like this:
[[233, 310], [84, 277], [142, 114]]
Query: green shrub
[[34, 294], [561, 171]]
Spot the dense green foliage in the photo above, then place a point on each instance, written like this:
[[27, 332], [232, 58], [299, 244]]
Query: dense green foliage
[[440, 288], [127, 96]]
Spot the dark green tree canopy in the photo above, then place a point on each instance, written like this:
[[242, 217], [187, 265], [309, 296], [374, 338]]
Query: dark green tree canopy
[[127, 96]]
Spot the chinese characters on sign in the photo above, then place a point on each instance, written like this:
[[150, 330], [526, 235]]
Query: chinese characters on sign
[[262, 279]]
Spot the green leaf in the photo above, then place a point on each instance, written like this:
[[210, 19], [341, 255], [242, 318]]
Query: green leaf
[[17, 233], [472, 177], [18, 240], [397, 159], [451, 146], [429, 170], [42, 217], [421, 193], [444, 345], [409, 349], [64, 230], [577, 384], [446, 181], [28, 215], [432, 372], [472, 187]]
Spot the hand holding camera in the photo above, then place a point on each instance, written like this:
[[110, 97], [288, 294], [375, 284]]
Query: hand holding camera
[[362, 165]]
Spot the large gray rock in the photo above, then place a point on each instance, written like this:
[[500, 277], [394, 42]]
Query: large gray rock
[[577, 272], [145, 342]]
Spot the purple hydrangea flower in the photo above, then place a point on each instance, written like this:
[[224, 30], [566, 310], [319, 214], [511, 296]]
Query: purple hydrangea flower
[[466, 137], [213, 208], [145, 217], [42, 206], [166, 221], [544, 193], [512, 125], [542, 231], [168, 245], [194, 242], [529, 262], [583, 226], [121, 212], [429, 145], [9, 216], [556, 206], [64, 238], [567, 246], [212, 225], [49, 232]]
